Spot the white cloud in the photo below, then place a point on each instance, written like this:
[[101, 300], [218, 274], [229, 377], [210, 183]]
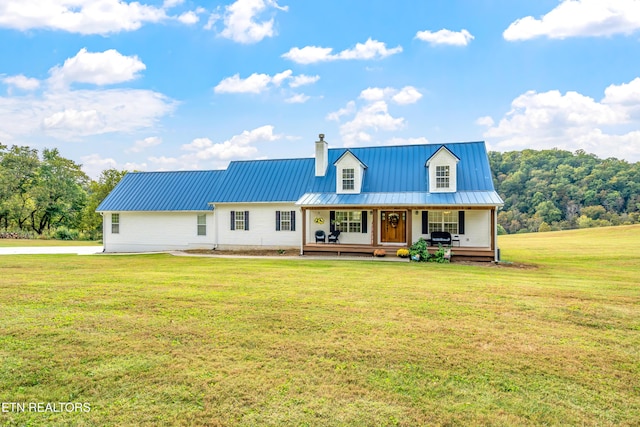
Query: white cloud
[[255, 83], [99, 68], [446, 37], [309, 54], [298, 98], [143, 144], [241, 20], [22, 82], [376, 93], [168, 4], [280, 77], [371, 49], [624, 94], [349, 109], [78, 16], [374, 115], [579, 18], [73, 114], [258, 83], [407, 95], [369, 118], [189, 18], [83, 122], [572, 121], [218, 155], [70, 114], [238, 147], [303, 80], [485, 121], [94, 164]]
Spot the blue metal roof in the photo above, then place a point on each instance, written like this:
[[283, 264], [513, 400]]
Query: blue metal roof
[[265, 181], [394, 175], [163, 191]]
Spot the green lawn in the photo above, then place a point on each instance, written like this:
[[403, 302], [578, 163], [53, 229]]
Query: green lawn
[[42, 242], [553, 339]]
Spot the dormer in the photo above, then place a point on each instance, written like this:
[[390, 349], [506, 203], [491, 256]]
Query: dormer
[[349, 173], [441, 167]]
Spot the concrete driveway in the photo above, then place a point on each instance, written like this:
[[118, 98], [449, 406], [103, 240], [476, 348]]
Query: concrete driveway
[[48, 250]]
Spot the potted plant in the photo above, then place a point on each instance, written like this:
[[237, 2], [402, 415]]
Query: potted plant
[[379, 253], [402, 253]]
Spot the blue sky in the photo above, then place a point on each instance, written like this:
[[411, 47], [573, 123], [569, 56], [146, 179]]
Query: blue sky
[[189, 84]]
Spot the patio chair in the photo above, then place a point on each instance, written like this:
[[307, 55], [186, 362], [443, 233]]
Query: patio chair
[[321, 236], [333, 236]]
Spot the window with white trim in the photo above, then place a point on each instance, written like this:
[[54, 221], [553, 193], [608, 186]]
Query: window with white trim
[[239, 220], [202, 224], [348, 179], [442, 176], [115, 223], [285, 220], [443, 221], [349, 221]]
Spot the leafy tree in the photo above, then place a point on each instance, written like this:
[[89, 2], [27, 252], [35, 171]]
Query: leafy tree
[[59, 193], [562, 188], [98, 190], [18, 172]]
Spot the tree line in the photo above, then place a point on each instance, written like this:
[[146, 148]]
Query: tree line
[[45, 194], [556, 190]]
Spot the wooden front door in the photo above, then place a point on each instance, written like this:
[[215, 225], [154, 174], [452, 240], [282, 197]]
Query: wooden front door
[[392, 226]]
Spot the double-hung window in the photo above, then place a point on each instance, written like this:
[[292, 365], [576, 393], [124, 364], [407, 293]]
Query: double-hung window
[[348, 179], [443, 221], [285, 220], [202, 225], [115, 223], [240, 220], [349, 221], [442, 176]]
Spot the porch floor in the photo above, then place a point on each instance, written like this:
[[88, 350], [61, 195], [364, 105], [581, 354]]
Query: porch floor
[[341, 248]]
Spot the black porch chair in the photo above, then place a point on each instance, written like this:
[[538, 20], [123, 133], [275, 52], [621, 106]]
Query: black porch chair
[[321, 236], [333, 236]]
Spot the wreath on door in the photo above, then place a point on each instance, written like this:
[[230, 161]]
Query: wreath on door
[[394, 219]]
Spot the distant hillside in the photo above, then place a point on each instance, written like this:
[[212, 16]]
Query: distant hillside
[[557, 190]]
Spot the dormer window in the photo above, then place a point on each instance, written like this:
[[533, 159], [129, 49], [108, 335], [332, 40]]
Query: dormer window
[[442, 176], [442, 171], [348, 178], [349, 173]]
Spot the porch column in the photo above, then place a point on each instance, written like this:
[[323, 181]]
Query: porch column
[[304, 231], [374, 232], [409, 230], [494, 233]]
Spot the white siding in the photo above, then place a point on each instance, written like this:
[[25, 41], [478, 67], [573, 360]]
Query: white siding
[[477, 229], [157, 231], [262, 227], [345, 237]]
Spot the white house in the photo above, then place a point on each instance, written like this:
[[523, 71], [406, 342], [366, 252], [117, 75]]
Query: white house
[[383, 197]]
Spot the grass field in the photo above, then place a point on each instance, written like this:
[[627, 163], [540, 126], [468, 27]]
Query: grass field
[[553, 339], [7, 243]]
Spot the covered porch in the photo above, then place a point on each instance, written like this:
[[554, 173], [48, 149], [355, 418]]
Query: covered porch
[[364, 229]]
